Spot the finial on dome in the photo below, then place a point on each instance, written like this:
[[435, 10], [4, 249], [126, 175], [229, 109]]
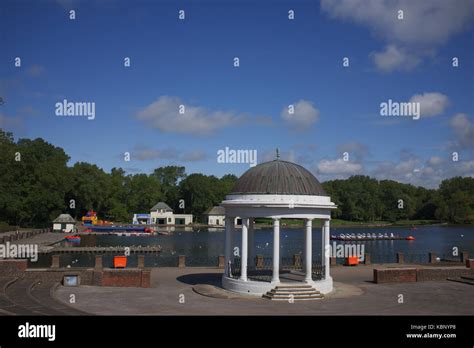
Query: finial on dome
[[277, 154]]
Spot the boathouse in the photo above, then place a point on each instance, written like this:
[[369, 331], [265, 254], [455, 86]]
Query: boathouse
[[64, 223], [162, 214]]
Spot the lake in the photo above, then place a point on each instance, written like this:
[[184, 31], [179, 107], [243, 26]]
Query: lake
[[203, 246]]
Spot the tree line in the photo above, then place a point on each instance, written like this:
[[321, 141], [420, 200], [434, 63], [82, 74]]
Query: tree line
[[361, 198], [36, 185]]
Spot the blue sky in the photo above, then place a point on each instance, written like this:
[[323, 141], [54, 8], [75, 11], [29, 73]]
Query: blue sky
[[299, 62]]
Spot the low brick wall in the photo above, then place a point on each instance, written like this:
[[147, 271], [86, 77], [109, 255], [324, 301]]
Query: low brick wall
[[124, 278], [8, 267], [401, 275], [425, 274], [394, 275], [132, 277]]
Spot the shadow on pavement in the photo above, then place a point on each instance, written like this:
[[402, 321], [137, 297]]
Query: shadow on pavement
[[201, 278]]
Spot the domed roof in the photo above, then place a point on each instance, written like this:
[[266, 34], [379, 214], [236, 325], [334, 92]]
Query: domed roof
[[278, 177]]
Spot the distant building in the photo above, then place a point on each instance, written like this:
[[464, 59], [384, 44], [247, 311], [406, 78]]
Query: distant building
[[215, 216], [162, 214], [141, 219], [64, 223]]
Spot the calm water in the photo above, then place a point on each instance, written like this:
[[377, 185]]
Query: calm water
[[202, 246]]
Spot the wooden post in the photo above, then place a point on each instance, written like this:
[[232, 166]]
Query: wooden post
[[400, 258], [181, 261], [55, 261], [221, 261], [432, 257], [141, 261], [98, 262], [367, 259]]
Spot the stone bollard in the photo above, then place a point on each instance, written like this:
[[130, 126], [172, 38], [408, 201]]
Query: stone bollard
[[332, 261], [297, 260], [464, 256], [141, 261], [98, 262], [367, 259], [55, 261], [259, 262], [400, 258], [220, 261], [181, 261], [431, 258]]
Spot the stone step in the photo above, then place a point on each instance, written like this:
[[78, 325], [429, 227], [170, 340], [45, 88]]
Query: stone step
[[287, 293], [43, 292], [299, 298], [292, 290], [303, 286], [292, 295]]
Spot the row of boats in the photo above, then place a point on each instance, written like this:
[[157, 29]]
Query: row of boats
[[369, 236]]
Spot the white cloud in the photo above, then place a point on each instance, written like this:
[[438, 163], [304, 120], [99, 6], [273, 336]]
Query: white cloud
[[147, 154], [194, 156], [435, 160], [394, 58], [304, 116], [163, 114], [431, 104], [464, 130], [425, 25], [338, 166], [354, 149], [143, 153]]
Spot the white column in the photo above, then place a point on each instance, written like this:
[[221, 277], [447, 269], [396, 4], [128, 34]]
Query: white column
[[229, 224], [244, 251], [251, 260], [326, 243], [276, 250], [308, 249], [323, 242]]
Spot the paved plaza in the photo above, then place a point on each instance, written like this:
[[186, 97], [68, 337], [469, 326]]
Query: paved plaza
[[197, 291]]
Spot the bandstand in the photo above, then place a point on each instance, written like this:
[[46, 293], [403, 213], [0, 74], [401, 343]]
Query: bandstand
[[277, 190]]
